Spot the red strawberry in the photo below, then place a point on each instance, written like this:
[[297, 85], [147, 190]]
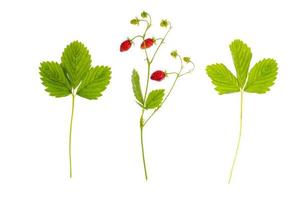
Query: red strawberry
[[158, 75], [125, 46], [147, 43]]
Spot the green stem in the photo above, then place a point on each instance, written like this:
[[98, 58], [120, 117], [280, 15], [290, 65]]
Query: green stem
[[143, 151], [136, 37], [143, 110], [161, 42], [70, 134], [239, 138], [172, 87], [149, 62]]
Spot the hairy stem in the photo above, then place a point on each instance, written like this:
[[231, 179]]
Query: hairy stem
[[149, 62], [143, 150], [70, 134], [168, 94], [144, 99], [172, 87], [239, 138], [161, 42]]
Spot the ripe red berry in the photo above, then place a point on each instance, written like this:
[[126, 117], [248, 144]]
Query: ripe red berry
[[158, 75], [125, 46], [147, 43]]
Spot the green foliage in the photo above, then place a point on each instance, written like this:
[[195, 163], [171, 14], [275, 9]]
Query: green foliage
[[54, 79], [223, 79], [75, 74], [259, 80], [95, 82], [262, 76], [136, 86], [76, 62], [154, 99], [242, 56]]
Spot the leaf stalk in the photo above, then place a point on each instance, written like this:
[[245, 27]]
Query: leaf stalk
[[70, 136], [239, 137]]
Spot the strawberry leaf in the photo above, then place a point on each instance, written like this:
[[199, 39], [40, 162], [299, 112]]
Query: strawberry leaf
[[242, 56], [95, 82], [262, 76], [137, 87], [222, 78], [154, 99], [54, 79], [76, 62]]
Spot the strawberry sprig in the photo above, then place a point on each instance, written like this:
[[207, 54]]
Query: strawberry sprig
[[74, 76], [151, 102], [257, 80]]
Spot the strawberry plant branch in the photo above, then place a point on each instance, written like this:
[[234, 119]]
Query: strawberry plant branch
[[148, 74], [160, 44], [74, 76], [151, 100], [178, 75], [138, 36], [257, 80], [141, 121]]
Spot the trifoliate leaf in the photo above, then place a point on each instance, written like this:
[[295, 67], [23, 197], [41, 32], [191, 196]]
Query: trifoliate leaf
[[95, 82], [262, 76], [154, 99], [76, 62], [222, 78], [54, 79], [136, 86], [242, 56]]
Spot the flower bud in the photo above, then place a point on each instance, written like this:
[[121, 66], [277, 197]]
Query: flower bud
[[134, 21], [174, 54], [144, 14], [164, 23], [187, 59]]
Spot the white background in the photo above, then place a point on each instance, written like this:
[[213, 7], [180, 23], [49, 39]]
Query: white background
[[189, 144]]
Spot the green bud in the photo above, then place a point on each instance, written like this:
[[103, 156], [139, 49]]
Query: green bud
[[134, 21], [144, 14], [164, 23], [174, 54], [187, 59]]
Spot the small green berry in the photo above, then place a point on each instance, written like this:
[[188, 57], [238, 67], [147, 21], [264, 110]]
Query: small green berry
[[164, 23], [187, 59], [174, 54], [134, 21], [144, 14]]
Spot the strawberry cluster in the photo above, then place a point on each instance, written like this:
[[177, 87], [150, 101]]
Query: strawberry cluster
[[158, 75], [149, 100]]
